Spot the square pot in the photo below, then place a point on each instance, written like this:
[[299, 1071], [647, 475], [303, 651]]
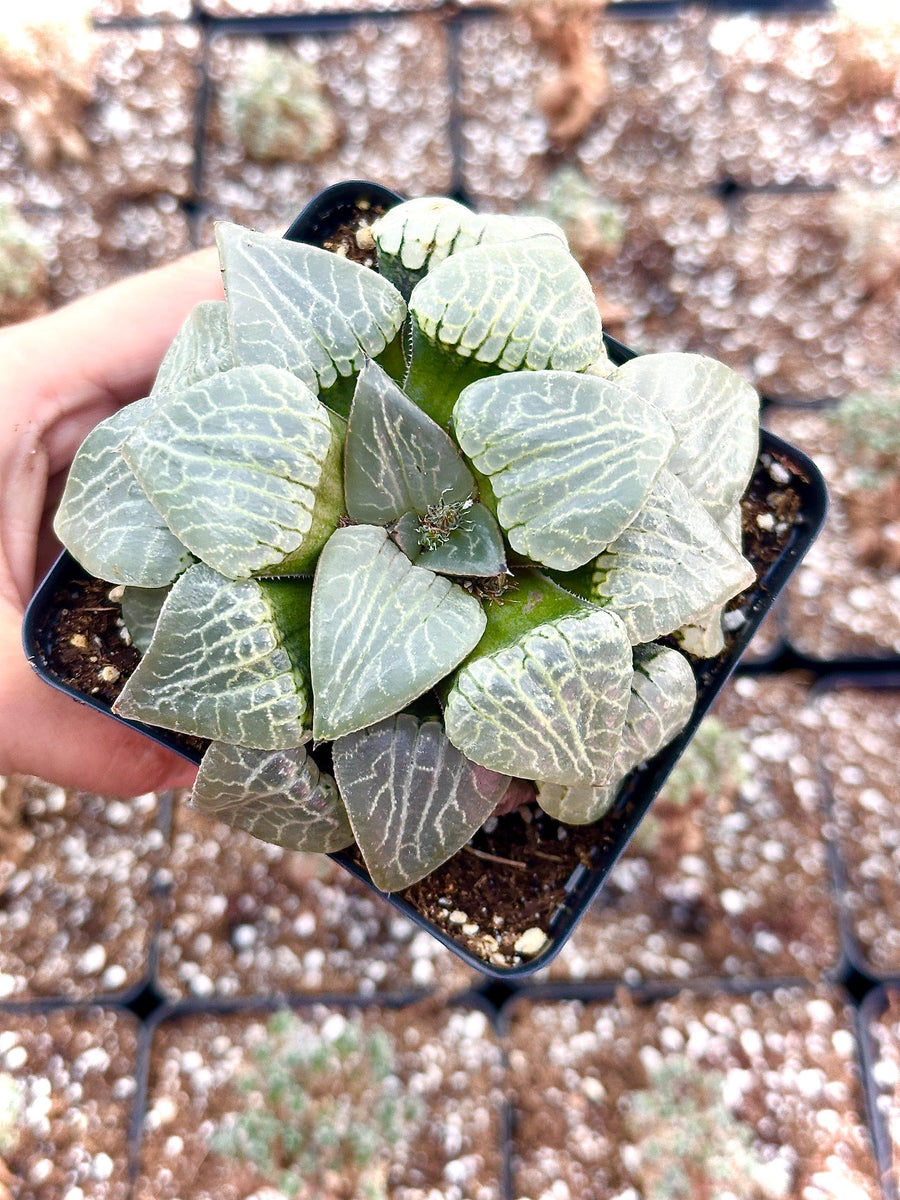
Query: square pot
[[520, 849]]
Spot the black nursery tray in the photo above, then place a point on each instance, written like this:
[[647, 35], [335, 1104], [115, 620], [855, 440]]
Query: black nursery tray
[[584, 856]]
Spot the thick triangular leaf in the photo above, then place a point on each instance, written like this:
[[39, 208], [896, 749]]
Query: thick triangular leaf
[[516, 305], [382, 631], [551, 705], [415, 236], [140, 612], [279, 796], [237, 464], [396, 459], [474, 547], [105, 519], [302, 308], [412, 798], [571, 458], [663, 693], [715, 414], [202, 347], [226, 662], [671, 566]]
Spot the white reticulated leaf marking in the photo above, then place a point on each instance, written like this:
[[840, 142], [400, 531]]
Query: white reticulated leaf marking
[[571, 458], [551, 705], [105, 518], [412, 798], [397, 460], [140, 612], [515, 305], [704, 637], [415, 236], [670, 566], [302, 308], [218, 666], [715, 414], [279, 796], [202, 347], [382, 630], [663, 694], [233, 464]]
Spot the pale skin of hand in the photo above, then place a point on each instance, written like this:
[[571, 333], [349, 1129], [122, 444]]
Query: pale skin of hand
[[59, 375]]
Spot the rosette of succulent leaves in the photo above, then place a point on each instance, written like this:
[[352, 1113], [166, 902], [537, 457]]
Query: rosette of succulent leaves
[[415, 513]]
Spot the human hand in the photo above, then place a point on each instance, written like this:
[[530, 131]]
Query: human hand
[[59, 376]]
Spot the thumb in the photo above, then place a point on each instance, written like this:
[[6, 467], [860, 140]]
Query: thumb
[[45, 733]]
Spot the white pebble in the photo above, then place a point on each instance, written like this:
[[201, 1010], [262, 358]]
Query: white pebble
[[117, 813], [114, 977], [102, 1166], [458, 917], [531, 942], [243, 936], [16, 1058], [93, 960], [733, 901], [779, 473], [7, 985]]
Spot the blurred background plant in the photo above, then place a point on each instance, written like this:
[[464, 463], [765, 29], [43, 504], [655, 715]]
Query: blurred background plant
[[278, 109], [322, 1106], [711, 766], [686, 1141], [23, 268], [47, 58]]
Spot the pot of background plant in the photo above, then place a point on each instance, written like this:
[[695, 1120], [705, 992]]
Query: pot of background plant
[[423, 571]]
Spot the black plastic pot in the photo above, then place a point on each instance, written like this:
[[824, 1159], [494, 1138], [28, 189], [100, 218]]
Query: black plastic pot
[[321, 218]]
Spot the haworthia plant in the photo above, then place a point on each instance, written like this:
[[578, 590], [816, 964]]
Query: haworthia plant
[[663, 693], [303, 309], [383, 631], [202, 347], [279, 796], [414, 237], [505, 708], [228, 661], [140, 612], [571, 459], [245, 468], [105, 517], [455, 577], [411, 797]]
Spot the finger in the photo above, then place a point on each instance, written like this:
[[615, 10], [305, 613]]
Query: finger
[[102, 350], [46, 733]]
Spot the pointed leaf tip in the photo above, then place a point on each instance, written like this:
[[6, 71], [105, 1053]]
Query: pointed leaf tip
[[412, 798], [382, 631]]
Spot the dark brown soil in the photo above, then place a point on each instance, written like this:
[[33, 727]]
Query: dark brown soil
[[88, 646]]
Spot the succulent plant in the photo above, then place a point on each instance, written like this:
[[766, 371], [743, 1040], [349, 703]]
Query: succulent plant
[[23, 268], [321, 1102], [594, 225], [277, 107], [688, 1141], [418, 514]]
